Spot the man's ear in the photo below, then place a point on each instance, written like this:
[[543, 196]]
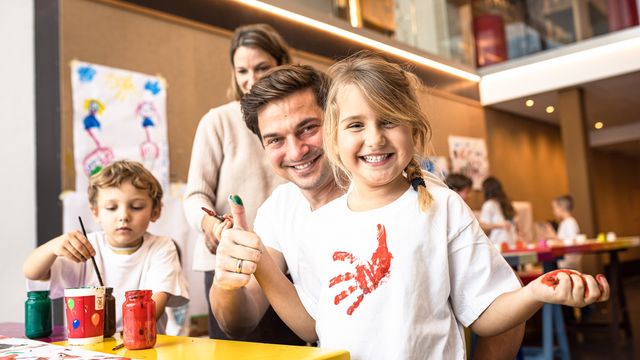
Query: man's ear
[[155, 213]]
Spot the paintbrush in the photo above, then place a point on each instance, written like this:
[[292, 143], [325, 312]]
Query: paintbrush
[[95, 266], [212, 213]]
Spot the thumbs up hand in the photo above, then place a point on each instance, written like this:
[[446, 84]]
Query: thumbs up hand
[[239, 250]]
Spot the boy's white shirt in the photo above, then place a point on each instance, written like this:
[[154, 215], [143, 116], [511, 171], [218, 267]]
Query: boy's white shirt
[[154, 266], [568, 229], [414, 313]]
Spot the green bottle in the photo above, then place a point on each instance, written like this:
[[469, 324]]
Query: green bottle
[[37, 314]]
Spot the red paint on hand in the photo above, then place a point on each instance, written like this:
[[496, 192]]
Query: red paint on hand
[[367, 276], [551, 279]]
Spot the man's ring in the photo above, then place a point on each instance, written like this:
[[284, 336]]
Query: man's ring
[[239, 266]]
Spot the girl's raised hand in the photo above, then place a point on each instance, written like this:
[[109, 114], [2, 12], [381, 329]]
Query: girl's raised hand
[[569, 287], [74, 246]]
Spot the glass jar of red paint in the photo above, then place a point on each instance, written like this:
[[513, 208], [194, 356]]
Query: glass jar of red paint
[[139, 320]]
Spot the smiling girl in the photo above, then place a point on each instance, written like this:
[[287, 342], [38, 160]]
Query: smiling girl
[[403, 264]]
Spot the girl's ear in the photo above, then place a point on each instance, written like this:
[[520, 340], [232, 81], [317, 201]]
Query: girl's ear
[[417, 138]]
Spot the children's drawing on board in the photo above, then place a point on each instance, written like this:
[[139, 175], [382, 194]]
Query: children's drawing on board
[[100, 156], [149, 149], [118, 114], [469, 157]]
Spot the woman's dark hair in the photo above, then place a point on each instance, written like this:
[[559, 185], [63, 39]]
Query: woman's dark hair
[[492, 189], [260, 36]]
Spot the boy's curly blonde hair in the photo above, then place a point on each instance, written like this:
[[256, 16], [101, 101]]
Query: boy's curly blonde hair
[[122, 171]]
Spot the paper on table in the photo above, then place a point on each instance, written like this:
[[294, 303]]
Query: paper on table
[[32, 349]]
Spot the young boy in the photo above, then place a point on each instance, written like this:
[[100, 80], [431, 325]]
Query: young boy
[[567, 229], [124, 198]]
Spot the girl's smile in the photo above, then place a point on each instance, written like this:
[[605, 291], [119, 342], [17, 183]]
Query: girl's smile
[[375, 151], [376, 159]]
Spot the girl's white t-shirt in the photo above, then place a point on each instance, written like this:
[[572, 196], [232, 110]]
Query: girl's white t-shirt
[[397, 283]]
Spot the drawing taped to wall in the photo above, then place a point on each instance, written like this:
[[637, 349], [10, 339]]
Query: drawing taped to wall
[[469, 157], [118, 114], [437, 165], [149, 149], [100, 156]]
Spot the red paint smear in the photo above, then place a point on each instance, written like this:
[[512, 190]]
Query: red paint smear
[[368, 276], [343, 255], [340, 278], [551, 279]]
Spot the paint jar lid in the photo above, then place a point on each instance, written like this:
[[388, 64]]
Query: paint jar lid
[[39, 294]]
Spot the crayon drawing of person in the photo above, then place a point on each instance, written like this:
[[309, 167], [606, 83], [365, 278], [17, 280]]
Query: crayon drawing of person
[[149, 150], [101, 156]]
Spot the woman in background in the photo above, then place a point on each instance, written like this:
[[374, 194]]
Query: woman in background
[[228, 159], [497, 214]]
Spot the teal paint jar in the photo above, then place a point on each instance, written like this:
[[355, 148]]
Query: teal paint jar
[[37, 314]]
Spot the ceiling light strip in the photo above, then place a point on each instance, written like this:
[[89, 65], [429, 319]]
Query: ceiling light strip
[[361, 39]]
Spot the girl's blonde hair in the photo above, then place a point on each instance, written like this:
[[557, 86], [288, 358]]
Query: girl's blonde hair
[[391, 92]]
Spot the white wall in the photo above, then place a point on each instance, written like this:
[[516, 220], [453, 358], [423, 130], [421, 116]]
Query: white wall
[[17, 152]]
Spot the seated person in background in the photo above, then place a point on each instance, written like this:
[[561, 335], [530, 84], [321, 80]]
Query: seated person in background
[[124, 198], [497, 214], [460, 184], [567, 228]]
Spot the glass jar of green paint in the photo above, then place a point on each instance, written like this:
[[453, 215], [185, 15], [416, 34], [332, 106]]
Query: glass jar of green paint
[[37, 314]]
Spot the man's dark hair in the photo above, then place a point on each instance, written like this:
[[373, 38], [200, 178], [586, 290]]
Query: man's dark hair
[[458, 182], [279, 83]]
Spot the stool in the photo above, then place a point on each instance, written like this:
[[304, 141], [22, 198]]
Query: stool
[[551, 320]]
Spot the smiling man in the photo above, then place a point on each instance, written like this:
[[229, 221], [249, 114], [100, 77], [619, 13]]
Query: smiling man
[[285, 110]]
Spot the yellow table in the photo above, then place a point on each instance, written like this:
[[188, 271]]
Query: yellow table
[[181, 347]]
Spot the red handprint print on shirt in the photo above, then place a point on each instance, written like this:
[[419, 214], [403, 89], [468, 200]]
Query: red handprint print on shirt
[[368, 275]]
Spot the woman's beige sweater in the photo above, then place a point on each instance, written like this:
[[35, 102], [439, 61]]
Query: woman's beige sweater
[[227, 158]]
